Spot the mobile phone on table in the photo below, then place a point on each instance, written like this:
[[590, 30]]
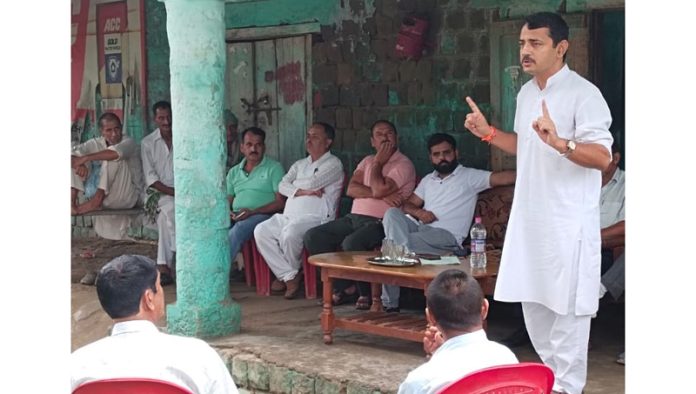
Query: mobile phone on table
[[428, 256]]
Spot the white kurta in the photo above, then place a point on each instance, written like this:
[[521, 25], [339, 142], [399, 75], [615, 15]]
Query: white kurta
[[137, 349], [158, 165], [120, 180], [279, 239], [552, 242]]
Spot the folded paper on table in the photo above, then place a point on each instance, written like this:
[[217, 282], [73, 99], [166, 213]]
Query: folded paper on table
[[444, 260]]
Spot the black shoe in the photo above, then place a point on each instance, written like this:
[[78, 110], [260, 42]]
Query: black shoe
[[392, 310], [517, 338], [237, 276], [166, 279]]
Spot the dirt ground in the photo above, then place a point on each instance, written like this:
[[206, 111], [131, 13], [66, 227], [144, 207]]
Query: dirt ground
[[261, 317]]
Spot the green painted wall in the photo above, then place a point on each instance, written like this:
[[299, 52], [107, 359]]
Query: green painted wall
[[359, 80], [278, 12], [157, 52]]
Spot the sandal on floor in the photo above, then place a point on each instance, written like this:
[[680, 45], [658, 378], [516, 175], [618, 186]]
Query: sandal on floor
[[363, 303], [342, 297]]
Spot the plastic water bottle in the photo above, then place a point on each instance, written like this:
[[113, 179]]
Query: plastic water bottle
[[478, 245]]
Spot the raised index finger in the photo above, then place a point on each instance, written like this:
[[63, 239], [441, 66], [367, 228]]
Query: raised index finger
[[473, 105], [544, 109]]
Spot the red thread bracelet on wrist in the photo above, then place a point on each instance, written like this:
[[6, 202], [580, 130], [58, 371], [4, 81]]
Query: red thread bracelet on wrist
[[490, 136]]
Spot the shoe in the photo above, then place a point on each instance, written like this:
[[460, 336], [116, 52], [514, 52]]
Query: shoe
[[517, 338], [392, 310], [292, 287], [278, 287], [621, 358], [237, 276], [363, 303], [89, 279], [343, 297], [166, 277]]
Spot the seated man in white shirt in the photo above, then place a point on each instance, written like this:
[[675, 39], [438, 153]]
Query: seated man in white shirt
[[312, 187], [115, 157], [440, 209], [129, 290], [455, 338], [613, 224]]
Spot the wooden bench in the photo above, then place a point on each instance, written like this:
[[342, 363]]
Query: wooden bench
[[103, 212]]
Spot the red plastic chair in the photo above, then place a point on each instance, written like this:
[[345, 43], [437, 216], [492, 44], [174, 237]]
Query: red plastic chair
[[310, 271], [248, 252], [263, 274], [130, 386], [522, 378]]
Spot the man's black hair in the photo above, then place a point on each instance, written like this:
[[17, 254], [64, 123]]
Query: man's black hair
[[439, 138], [256, 131], [558, 28], [109, 116], [454, 298], [328, 130], [390, 124], [122, 282], [161, 105]]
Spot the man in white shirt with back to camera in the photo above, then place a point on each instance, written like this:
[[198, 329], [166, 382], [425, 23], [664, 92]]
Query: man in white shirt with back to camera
[[456, 309], [312, 187], [130, 292]]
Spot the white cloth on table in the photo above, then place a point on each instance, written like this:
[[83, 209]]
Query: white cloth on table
[[137, 349], [279, 239], [158, 165], [119, 179], [454, 359]]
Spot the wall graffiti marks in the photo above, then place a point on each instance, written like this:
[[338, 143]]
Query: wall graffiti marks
[[290, 82]]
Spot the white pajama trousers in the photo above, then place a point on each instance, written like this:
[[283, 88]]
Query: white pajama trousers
[[561, 343], [279, 240], [115, 180], [166, 228]]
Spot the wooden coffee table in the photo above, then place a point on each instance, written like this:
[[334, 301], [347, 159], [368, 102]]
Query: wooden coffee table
[[354, 265]]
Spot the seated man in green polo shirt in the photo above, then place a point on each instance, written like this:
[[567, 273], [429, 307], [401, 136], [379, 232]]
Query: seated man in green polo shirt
[[252, 188]]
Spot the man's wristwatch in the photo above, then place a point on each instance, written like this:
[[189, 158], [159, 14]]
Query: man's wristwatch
[[570, 148]]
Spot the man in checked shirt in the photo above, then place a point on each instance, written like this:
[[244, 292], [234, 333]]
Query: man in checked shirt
[[312, 187]]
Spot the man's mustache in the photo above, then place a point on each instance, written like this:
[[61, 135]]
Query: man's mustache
[[527, 57]]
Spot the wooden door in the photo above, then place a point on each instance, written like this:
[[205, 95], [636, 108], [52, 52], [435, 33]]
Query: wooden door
[[268, 86], [507, 76]]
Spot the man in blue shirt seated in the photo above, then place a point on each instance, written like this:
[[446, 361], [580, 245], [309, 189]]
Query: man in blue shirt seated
[[455, 338]]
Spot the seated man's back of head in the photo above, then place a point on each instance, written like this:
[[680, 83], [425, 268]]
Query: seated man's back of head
[[129, 291]]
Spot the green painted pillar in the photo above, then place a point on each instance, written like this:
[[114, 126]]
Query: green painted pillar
[[196, 33]]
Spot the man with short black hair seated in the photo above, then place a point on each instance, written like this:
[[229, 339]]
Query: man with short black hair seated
[[454, 338], [129, 290]]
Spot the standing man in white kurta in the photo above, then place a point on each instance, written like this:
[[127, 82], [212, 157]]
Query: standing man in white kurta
[[312, 187], [551, 256], [158, 168]]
